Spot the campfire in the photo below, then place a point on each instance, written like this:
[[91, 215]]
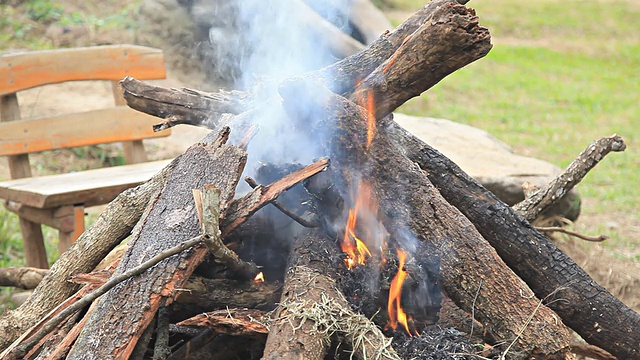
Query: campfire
[[379, 248]]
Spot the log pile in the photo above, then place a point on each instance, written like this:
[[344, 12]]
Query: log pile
[[198, 279]]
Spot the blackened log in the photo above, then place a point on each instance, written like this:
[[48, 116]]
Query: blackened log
[[585, 306], [312, 308], [421, 221], [123, 313]]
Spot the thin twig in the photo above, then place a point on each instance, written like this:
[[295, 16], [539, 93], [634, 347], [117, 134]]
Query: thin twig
[[598, 238], [295, 217], [473, 308], [22, 349]]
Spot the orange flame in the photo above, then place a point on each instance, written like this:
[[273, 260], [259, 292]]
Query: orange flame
[[259, 277], [357, 252], [394, 309]]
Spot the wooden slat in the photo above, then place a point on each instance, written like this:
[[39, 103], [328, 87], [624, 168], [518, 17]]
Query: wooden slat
[[91, 187], [80, 129], [20, 71]]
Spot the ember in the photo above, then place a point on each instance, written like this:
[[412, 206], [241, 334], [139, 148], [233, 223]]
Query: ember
[[259, 277]]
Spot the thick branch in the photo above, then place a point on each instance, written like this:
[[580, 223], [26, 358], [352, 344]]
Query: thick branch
[[312, 309], [544, 198], [585, 306], [25, 278]]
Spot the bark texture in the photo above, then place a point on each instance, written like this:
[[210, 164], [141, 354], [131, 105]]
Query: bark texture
[[585, 306], [123, 314], [421, 221], [111, 227]]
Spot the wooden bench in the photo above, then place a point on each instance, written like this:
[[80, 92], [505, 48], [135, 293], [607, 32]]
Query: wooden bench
[[59, 201]]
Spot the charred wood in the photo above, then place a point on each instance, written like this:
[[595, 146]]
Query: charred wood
[[219, 293], [417, 217], [585, 306]]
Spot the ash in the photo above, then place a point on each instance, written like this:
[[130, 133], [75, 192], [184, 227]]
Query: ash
[[435, 343]]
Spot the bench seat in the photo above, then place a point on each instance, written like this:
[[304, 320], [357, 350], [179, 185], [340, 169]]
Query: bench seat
[[90, 187]]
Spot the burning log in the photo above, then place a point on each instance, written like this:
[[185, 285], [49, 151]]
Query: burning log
[[419, 219], [311, 309]]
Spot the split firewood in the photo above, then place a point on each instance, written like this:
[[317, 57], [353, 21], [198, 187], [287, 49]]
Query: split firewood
[[237, 322], [121, 318], [24, 278], [111, 227], [417, 217], [585, 306], [312, 309], [544, 198]]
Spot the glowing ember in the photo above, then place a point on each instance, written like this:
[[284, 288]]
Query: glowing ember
[[394, 309], [259, 277]]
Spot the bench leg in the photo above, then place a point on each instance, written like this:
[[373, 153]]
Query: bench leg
[[67, 237], [33, 243]]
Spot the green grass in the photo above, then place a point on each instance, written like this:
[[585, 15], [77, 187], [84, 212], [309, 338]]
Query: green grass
[[561, 74]]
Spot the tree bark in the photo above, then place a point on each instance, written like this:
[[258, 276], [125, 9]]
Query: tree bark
[[123, 314], [111, 227], [24, 278], [588, 308], [417, 217], [312, 308]]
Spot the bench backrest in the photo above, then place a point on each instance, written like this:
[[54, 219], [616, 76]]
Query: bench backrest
[[21, 71]]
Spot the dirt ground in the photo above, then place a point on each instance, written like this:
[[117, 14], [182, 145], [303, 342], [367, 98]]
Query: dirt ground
[[620, 276]]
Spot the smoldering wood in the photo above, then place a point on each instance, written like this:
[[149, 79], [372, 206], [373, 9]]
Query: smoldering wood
[[240, 209], [544, 198], [311, 308], [552, 275], [212, 110], [21, 277], [411, 208], [171, 220]]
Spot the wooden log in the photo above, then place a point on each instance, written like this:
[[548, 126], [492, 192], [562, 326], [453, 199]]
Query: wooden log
[[111, 227], [24, 278], [212, 110], [242, 208], [541, 200], [312, 308], [123, 314], [449, 40], [219, 293], [237, 322], [417, 216], [583, 304]]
